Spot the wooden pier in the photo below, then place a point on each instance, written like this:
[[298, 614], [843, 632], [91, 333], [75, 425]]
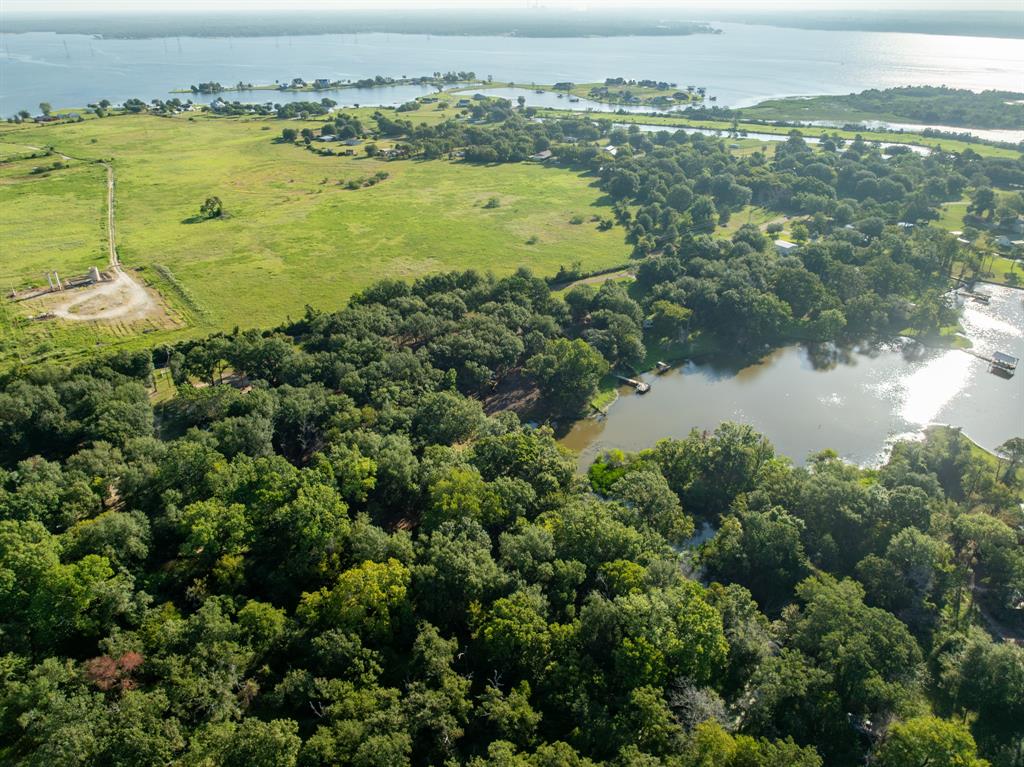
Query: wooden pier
[[640, 386], [1000, 363]]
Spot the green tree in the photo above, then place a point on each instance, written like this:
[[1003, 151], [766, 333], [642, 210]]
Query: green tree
[[763, 551], [368, 599], [928, 740], [568, 373], [983, 200], [1012, 451], [648, 494], [212, 207]]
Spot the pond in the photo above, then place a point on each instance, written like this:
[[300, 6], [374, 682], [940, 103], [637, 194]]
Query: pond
[[856, 400]]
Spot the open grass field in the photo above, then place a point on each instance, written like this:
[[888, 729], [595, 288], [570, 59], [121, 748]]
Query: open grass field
[[951, 215], [294, 236], [52, 220]]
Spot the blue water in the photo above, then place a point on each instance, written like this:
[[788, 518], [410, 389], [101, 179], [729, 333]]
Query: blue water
[[745, 64]]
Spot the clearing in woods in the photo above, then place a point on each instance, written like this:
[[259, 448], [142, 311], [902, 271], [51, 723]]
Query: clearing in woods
[[295, 235]]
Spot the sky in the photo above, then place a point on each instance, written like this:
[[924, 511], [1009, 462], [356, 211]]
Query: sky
[[192, 6]]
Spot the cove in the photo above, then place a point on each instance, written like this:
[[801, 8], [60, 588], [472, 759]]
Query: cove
[[856, 400]]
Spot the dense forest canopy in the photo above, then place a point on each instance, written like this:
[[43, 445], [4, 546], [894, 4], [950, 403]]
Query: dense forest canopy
[[335, 557]]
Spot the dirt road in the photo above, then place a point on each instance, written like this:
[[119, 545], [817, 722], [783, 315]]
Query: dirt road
[[122, 298]]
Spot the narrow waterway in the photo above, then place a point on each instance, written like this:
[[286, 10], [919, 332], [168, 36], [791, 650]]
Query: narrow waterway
[[857, 401]]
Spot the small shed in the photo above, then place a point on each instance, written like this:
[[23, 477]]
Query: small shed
[[782, 247], [542, 156]]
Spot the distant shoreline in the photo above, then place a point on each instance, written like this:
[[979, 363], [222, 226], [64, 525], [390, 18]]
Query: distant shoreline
[[547, 25], [145, 27]]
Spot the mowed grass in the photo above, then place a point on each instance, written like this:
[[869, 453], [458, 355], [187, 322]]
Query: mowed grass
[[50, 221], [951, 215], [295, 235]]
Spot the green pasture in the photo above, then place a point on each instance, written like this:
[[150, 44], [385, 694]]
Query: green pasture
[[295, 235], [54, 220]]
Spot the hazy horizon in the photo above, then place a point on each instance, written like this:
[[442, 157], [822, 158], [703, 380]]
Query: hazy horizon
[[33, 7]]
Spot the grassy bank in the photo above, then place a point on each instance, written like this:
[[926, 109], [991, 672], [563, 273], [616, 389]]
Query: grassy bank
[[888, 137]]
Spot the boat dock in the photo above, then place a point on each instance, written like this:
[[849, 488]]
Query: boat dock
[[1000, 363], [1003, 363], [640, 386]]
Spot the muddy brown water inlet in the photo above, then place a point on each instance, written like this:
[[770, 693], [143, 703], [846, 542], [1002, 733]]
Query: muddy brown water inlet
[[857, 401]]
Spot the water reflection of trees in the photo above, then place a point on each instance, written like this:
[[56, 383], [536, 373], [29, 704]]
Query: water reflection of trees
[[914, 352], [828, 356]]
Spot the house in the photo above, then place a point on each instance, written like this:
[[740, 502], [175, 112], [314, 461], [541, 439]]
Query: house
[[612, 149], [353, 141], [463, 103], [327, 137], [904, 225], [1003, 241], [45, 119], [479, 97], [321, 83], [542, 156], [782, 247], [298, 82]]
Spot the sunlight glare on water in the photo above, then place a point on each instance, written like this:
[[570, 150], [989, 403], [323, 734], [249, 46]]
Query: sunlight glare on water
[[923, 393]]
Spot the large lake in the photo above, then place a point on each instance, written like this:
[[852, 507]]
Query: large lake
[[855, 401], [745, 64]]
